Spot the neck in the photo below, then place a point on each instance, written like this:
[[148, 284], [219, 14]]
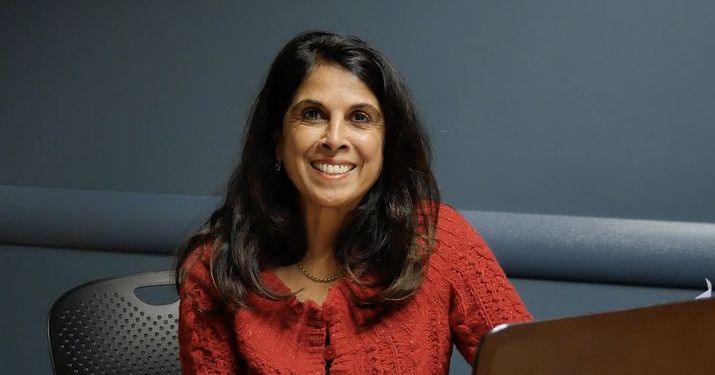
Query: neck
[[322, 225]]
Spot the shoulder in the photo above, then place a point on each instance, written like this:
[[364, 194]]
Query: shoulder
[[198, 263], [458, 245], [196, 286], [453, 229]]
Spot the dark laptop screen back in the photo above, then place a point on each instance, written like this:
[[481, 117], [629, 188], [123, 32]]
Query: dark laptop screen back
[[675, 338]]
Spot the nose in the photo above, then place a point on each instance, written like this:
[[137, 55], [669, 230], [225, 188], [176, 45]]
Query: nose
[[335, 135]]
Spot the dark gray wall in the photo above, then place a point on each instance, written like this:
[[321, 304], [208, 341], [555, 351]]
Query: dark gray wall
[[569, 107]]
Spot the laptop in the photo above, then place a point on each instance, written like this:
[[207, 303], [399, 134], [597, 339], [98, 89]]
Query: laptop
[[675, 338]]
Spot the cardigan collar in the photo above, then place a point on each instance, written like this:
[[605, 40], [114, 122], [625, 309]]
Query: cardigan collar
[[347, 287]]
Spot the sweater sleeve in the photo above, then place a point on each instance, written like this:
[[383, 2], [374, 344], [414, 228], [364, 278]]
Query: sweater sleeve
[[206, 344], [481, 297]]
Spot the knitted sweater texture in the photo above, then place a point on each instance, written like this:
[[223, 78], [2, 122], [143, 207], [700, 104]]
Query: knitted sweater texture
[[464, 293]]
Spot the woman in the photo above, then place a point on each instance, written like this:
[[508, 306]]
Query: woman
[[331, 252]]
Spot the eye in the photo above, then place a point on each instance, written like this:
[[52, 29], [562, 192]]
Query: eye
[[312, 114], [360, 117]]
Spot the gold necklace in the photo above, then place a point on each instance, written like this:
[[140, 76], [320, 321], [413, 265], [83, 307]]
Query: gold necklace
[[319, 279]]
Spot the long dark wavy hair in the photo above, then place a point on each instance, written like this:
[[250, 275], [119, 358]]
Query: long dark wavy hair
[[259, 225]]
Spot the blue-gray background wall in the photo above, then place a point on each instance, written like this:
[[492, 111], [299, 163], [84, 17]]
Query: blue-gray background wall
[[573, 107], [566, 107]]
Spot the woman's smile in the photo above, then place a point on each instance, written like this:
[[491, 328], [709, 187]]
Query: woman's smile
[[332, 169]]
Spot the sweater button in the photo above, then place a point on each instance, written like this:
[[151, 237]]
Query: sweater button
[[329, 353]]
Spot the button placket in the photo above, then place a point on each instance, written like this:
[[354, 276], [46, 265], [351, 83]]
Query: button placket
[[329, 349], [329, 353]]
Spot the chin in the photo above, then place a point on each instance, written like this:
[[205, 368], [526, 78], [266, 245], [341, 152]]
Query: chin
[[335, 202]]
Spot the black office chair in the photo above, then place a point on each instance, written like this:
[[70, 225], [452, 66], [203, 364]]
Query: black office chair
[[102, 327]]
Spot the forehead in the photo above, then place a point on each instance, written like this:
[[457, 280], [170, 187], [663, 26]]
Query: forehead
[[333, 85]]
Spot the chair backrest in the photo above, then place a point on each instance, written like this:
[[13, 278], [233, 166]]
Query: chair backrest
[[102, 327]]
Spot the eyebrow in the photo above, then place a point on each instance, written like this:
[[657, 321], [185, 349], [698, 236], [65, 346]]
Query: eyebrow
[[307, 101], [356, 106]]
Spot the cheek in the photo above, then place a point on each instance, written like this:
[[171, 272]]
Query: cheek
[[295, 144], [378, 145], [372, 150]]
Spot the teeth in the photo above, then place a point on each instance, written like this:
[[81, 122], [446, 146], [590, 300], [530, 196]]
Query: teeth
[[333, 168]]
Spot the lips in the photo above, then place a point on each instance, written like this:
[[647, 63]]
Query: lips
[[334, 169]]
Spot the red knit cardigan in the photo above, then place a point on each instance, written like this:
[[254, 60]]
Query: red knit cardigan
[[464, 294]]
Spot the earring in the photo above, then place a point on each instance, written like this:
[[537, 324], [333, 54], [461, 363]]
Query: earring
[[277, 166]]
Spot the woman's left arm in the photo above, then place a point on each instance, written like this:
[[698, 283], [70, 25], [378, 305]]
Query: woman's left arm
[[481, 296]]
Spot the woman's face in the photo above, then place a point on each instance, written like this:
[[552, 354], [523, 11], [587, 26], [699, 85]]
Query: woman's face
[[331, 143]]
